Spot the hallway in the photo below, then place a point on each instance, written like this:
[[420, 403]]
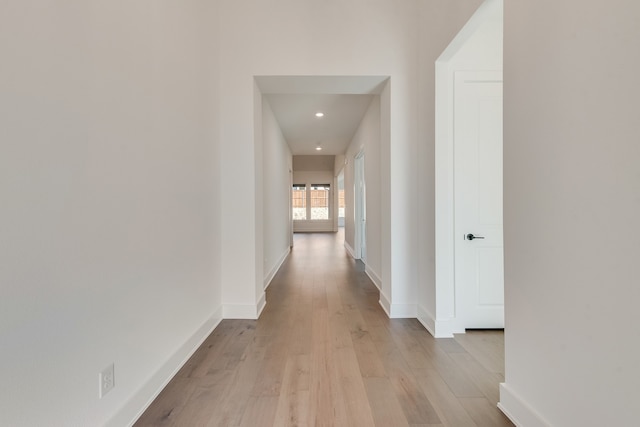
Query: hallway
[[324, 353]]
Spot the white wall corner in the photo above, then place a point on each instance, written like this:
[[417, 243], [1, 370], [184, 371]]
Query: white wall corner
[[445, 328], [403, 311], [439, 328], [397, 311], [385, 303], [276, 267], [373, 276], [140, 401], [427, 319], [245, 311], [517, 410], [262, 302], [350, 250]]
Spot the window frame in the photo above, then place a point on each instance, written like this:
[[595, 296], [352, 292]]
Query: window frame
[[326, 188], [296, 189], [307, 201]]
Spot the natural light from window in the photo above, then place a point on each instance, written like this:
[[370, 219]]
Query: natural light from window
[[320, 201], [299, 201]]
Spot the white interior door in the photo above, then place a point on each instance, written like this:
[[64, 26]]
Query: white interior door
[[360, 209], [479, 259]]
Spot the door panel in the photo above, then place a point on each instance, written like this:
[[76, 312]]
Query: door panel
[[479, 265], [490, 295]]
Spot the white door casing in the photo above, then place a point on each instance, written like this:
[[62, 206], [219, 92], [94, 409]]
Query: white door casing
[[290, 208], [479, 264], [360, 208]]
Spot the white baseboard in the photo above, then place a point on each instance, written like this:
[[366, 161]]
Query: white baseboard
[[244, 311], [313, 226], [350, 250], [517, 410], [403, 311], [445, 328], [135, 407], [262, 302], [385, 303], [427, 320], [397, 311], [439, 328], [373, 276], [274, 270]]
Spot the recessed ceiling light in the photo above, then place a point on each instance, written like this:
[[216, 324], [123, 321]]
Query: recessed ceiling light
[[319, 114], [318, 148]]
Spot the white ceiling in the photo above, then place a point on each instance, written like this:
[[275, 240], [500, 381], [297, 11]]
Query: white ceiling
[[343, 100], [303, 131]]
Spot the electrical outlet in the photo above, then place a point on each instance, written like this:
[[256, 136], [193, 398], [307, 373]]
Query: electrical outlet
[[106, 380]]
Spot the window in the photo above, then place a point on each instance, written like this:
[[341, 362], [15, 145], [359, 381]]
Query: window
[[299, 201], [341, 203], [320, 201], [312, 204]]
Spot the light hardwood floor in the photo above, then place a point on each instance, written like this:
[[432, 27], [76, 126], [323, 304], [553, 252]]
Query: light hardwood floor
[[323, 353]]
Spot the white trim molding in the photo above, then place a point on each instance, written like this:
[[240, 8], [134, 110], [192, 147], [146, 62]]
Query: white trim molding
[[373, 276], [517, 410], [140, 401], [403, 311], [313, 226], [244, 311], [349, 249], [276, 267], [262, 302], [439, 328], [397, 311], [385, 303], [427, 320]]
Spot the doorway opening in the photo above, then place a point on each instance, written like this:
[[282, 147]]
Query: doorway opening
[[360, 204], [299, 155], [341, 200], [468, 168]]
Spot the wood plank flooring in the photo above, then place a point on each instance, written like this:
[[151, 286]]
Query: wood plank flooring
[[323, 353]]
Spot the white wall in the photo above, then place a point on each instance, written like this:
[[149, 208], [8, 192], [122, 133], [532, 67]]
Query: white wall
[[277, 168], [338, 164], [366, 139], [109, 203], [572, 203], [314, 163], [316, 177]]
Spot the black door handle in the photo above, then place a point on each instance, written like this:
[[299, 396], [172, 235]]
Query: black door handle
[[471, 237]]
